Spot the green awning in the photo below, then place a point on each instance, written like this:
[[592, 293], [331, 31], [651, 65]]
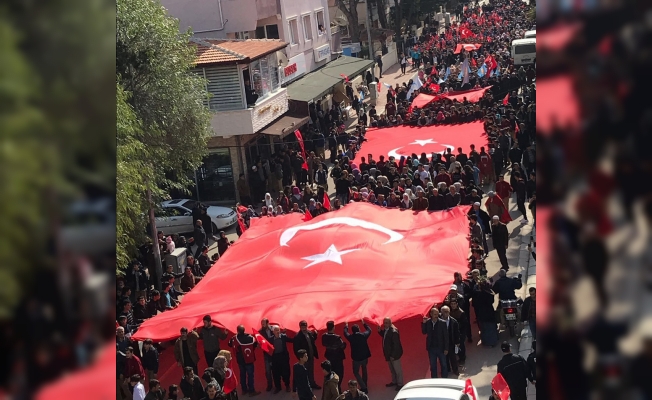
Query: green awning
[[316, 84]]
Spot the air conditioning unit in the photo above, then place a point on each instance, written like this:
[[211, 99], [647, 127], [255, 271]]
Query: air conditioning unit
[[177, 259]]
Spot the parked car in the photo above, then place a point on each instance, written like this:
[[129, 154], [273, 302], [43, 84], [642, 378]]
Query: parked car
[[177, 217], [433, 389]]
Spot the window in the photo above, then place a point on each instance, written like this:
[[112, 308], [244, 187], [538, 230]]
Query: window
[[307, 27], [264, 76], [294, 31], [319, 15], [267, 32], [242, 35], [525, 48]]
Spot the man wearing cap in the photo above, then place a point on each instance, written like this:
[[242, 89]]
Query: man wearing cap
[[500, 237], [420, 203], [515, 370]]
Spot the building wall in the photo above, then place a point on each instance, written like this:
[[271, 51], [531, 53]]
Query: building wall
[[297, 9], [202, 15]]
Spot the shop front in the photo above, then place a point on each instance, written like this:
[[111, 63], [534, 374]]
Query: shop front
[[214, 179]]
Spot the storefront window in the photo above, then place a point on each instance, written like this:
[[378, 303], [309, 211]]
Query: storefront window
[[264, 75], [215, 182]]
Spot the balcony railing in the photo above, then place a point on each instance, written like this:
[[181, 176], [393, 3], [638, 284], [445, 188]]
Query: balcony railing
[[253, 119]]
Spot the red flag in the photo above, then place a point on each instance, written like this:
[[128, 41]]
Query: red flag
[[434, 87], [263, 343], [327, 202], [506, 100], [230, 381], [297, 133], [307, 216], [516, 128], [468, 389], [241, 224], [346, 78], [499, 385], [337, 248], [465, 32], [473, 62], [378, 86]]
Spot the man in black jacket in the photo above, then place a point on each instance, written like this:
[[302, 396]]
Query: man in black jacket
[[436, 202], [528, 311], [200, 237], [505, 286], [360, 352], [532, 363], [334, 350], [301, 384], [454, 339], [280, 359], [393, 351], [150, 359], [515, 371], [500, 237], [306, 340], [437, 342]]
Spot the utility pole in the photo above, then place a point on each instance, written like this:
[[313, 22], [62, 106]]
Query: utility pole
[[371, 44]]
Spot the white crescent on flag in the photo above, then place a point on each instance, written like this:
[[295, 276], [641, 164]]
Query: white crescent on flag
[[289, 233]]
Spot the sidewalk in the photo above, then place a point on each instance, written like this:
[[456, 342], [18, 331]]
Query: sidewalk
[[528, 264]]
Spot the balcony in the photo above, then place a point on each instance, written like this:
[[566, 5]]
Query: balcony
[[251, 120]]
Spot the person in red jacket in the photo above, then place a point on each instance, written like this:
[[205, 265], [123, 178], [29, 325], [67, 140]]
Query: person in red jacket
[[133, 365], [504, 190], [443, 176]]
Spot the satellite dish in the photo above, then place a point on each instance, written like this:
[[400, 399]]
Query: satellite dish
[[341, 20], [282, 59]]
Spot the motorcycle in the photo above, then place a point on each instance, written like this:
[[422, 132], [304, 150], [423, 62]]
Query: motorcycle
[[511, 310]]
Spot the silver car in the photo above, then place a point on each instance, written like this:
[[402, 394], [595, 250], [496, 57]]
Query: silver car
[[177, 217]]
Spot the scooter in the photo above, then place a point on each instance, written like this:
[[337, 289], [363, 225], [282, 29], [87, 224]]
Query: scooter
[[510, 309]]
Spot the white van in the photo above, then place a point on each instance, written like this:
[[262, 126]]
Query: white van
[[524, 51], [530, 34]]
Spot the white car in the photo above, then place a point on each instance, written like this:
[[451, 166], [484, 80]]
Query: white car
[[433, 389], [178, 217]]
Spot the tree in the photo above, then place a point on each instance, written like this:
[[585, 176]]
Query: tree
[[382, 17], [165, 129], [350, 9]]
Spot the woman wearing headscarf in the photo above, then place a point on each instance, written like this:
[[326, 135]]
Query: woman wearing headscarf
[[312, 205], [410, 195], [279, 211], [357, 177], [319, 210], [406, 203], [296, 197], [269, 202]]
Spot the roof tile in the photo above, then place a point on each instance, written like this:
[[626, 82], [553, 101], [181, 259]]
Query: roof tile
[[223, 51]]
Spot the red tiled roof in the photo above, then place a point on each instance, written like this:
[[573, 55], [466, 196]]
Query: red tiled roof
[[223, 51]]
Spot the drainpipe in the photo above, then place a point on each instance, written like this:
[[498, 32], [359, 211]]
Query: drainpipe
[[219, 5]]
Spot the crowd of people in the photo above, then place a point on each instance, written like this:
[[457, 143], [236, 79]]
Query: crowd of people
[[282, 184]]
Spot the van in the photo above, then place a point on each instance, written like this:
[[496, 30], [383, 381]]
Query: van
[[530, 34], [524, 51]]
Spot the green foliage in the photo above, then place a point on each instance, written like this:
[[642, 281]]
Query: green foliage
[[165, 124], [21, 176]]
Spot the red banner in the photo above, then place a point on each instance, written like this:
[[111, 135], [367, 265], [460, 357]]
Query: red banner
[[308, 261], [472, 96], [499, 385], [263, 343], [404, 140], [297, 133]]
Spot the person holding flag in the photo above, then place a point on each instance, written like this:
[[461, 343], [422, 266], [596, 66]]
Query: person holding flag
[[263, 337], [280, 359], [244, 346], [334, 351], [515, 371]]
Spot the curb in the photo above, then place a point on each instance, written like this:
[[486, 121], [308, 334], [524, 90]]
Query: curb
[[530, 276]]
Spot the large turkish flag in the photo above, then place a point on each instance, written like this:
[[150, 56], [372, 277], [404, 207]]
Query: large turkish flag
[[404, 140], [362, 261]]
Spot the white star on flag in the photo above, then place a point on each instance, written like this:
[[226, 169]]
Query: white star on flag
[[423, 142], [331, 254]]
